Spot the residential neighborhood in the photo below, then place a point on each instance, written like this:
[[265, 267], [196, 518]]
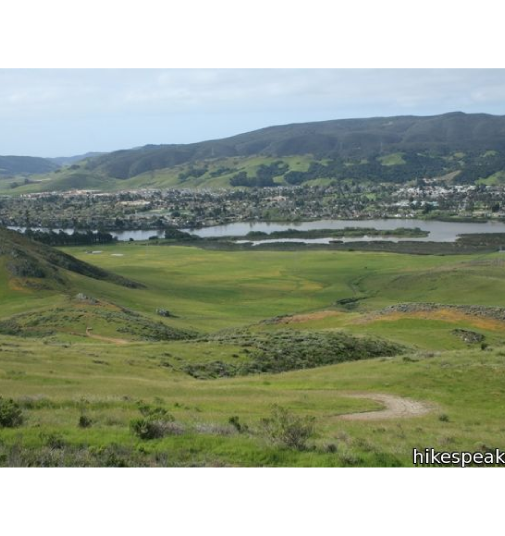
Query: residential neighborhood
[[192, 208]]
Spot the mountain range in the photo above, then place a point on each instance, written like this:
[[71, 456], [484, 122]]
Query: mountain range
[[471, 144], [358, 138]]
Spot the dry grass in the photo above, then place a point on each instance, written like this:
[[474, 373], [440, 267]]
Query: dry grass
[[447, 315]]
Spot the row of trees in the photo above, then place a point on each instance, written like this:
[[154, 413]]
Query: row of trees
[[61, 238]]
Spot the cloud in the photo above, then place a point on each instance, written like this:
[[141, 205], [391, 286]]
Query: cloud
[[127, 107], [174, 89]]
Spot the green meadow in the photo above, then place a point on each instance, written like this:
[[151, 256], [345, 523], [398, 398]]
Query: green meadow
[[85, 359]]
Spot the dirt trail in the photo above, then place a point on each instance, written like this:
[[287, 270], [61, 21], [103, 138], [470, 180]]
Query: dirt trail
[[395, 407], [106, 339], [307, 317]]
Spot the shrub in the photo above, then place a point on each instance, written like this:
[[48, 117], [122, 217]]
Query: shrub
[[287, 429], [150, 428], [443, 418], [349, 459], [239, 426], [53, 440], [151, 411], [146, 428], [84, 422], [156, 422], [10, 413]]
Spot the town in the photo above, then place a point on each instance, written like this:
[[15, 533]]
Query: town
[[192, 208]]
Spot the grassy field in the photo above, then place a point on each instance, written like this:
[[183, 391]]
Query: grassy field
[[56, 383], [97, 360], [210, 290], [394, 159]]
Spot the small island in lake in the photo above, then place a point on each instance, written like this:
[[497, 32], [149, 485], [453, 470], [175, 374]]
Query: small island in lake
[[415, 232]]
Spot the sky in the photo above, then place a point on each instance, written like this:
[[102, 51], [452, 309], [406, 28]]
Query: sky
[[65, 112]]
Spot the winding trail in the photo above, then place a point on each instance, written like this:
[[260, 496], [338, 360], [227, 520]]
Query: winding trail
[[395, 407]]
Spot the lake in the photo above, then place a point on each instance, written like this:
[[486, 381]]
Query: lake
[[439, 231]]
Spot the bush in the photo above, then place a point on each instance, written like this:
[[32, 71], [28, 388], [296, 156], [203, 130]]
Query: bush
[[53, 440], [84, 422], [155, 424], [10, 413], [286, 429], [150, 428], [239, 426]]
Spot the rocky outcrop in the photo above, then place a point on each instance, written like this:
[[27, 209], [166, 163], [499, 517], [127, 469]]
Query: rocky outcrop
[[497, 313], [470, 337]]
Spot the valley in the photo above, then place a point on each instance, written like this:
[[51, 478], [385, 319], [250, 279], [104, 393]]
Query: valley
[[209, 344], [318, 295]]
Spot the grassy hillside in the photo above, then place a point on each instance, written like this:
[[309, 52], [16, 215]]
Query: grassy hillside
[[25, 165], [343, 138], [42, 294], [58, 385], [468, 147], [69, 160], [211, 342], [36, 265]]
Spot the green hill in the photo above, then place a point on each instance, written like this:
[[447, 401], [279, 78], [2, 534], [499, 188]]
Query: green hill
[[42, 294], [356, 138], [68, 160], [25, 165], [35, 264], [353, 139], [327, 337], [380, 149]]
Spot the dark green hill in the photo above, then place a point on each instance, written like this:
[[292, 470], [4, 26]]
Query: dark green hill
[[347, 138], [38, 265], [25, 165]]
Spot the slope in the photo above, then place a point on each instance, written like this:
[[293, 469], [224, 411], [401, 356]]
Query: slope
[[35, 264], [25, 165], [42, 293], [338, 138], [469, 147], [69, 160]]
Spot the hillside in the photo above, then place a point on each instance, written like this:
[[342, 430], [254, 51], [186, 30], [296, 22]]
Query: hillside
[[356, 138], [467, 147], [45, 292], [25, 165], [330, 339], [36, 265], [68, 160]]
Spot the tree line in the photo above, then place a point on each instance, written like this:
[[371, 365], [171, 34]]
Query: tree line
[[52, 238]]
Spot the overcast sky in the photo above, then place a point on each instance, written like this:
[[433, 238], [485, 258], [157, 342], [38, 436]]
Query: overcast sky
[[72, 111]]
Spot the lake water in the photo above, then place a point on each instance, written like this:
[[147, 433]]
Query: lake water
[[439, 231]]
